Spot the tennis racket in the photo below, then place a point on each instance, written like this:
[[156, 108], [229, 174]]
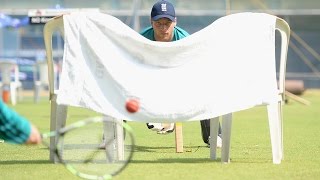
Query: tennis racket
[[79, 147]]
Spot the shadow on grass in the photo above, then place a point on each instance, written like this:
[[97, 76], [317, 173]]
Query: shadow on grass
[[177, 160], [138, 148], [172, 150], [11, 162], [252, 161], [190, 149], [200, 160]]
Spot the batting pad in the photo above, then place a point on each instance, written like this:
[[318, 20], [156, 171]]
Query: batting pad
[[106, 63]]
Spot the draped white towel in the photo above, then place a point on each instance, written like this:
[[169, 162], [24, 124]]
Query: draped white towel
[[226, 67]]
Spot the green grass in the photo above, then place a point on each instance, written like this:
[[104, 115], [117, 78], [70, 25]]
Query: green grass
[[155, 156]]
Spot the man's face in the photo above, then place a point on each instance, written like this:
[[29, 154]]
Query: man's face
[[163, 29]]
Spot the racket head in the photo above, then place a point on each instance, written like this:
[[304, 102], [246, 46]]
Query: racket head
[[79, 147]]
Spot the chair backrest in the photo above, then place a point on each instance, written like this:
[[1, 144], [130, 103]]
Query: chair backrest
[[49, 28], [284, 29]]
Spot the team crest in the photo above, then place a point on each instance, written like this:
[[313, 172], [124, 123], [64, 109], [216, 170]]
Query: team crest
[[163, 7]]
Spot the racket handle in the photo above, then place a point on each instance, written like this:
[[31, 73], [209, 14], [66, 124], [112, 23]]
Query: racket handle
[[179, 137]]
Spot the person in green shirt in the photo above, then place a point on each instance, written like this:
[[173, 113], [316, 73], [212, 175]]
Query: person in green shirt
[[164, 28], [164, 24], [16, 129]]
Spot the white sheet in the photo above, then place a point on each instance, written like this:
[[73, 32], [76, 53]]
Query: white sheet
[[226, 67]]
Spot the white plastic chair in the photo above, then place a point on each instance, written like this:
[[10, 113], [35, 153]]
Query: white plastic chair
[[59, 112], [274, 110], [6, 68]]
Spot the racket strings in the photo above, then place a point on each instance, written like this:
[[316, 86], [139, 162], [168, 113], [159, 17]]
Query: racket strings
[[79, 149]]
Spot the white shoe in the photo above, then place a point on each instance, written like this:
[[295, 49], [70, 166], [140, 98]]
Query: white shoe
[[219, 142], [167, 128], [161, 128], [155, 126]]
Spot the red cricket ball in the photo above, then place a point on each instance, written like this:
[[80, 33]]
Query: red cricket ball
[[132, 105]]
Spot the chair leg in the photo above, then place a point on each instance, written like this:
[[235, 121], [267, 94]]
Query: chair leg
[[113, 136], [13, 93], [214, 127], [226, 137], [281, 127], [57, 121], [37, 87], [19, 91], [275, 124], [120, 140]]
